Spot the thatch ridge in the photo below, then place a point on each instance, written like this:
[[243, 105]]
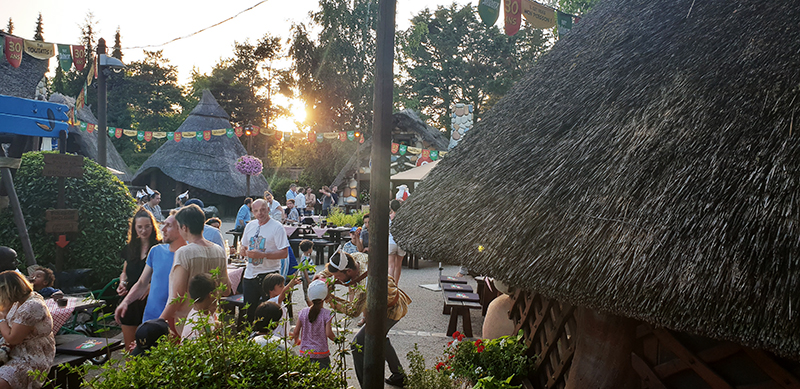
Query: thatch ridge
[[207, 165], [647, 167], [21, 81]]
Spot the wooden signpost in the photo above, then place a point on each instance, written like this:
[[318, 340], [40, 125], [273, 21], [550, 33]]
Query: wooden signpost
[[61, 221], [63, 165]]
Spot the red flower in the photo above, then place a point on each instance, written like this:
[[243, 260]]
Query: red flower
[[478, 342], [456, 335], [439, 365], [480, 349]]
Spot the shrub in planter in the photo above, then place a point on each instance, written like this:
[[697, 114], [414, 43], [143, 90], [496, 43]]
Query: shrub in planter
[[500, 358], [104, 205]]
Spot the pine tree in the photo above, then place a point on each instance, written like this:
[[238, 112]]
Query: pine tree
[[38, 35], [117, 52], [10, 26]]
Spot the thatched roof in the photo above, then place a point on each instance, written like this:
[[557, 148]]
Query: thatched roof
[[406, 120], [21, 81], [207, 165], [88, 141], [648, 166]]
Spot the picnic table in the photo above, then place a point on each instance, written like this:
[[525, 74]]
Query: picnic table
[[74, 304]]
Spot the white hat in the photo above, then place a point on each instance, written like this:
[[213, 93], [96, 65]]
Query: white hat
[[317, 290], [339, 260]]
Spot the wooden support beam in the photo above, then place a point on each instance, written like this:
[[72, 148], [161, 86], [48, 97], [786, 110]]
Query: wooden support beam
[[782, 377], [694, 362]]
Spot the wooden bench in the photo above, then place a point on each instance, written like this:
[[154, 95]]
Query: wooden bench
[[458, 307], [63, 376]]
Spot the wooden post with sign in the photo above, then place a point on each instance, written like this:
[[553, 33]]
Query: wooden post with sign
[[62, 221]]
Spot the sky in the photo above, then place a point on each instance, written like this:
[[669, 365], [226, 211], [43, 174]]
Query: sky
[[152, 22]]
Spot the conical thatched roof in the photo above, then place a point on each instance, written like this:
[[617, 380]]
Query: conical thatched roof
[[648, 166], [21, 81], [88, 140], [208, 165]]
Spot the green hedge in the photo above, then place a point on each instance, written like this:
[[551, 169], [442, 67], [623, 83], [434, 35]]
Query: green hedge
[[104, 205]]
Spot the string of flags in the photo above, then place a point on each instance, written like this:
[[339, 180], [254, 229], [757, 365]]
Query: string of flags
[[68, 55], [538, 15], [427, 154]]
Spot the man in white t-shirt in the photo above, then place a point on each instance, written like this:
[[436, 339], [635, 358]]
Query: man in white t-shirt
[[264, 244]]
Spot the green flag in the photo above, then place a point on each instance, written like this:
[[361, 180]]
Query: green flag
[[111, 131], [229, 132], [83, 126], [64, 57], [434, 155], [564, 21], [402, 150], [351, 135], [198, 135], [489, 11], [170, 135], [140, 135], [320, 138]]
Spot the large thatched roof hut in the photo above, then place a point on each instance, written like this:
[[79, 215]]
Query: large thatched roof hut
[[206, 168], [647, 167]]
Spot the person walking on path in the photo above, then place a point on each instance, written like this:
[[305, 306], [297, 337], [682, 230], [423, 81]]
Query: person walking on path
[[153, 199], [264, 244]]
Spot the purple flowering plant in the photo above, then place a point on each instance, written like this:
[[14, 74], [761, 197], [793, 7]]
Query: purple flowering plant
[[250, 165]]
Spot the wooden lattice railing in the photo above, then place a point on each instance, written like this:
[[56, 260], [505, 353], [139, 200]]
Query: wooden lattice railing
[[662, 358]]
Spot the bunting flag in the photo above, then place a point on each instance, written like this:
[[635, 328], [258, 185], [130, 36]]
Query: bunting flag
[[219, 132], [80, 101], [395, 148], [13, 50], [40, 50], [117, 132], [207, 135], [132, 133], [64, 57], [512, 16], [90, 127], [402, 149], [361, 139], [489, 11], [159, 134], [342, 136], [139, 135], [170, 135], [434, 155], [229, 132], [287, 136], [177, 136], [238, 131], [564, 22], [351, 135], [148, 136], [320, 138], [111, 132], [538, 15], [92, 73], [426, 153], [331, 135], [79, 57], [311, 136]]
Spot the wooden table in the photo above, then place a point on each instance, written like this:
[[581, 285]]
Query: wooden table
[[74, 304]]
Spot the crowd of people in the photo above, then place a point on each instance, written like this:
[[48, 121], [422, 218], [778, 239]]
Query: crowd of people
[[175, 270]]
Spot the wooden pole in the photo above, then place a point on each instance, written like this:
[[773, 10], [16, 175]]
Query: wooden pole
[[102, 131], [61, 201], [374, 352], [16, 209]]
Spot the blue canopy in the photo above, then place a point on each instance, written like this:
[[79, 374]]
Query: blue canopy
[[32, 117]]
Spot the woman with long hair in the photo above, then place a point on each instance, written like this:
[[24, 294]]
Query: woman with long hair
[[27, 330], [143, 234]]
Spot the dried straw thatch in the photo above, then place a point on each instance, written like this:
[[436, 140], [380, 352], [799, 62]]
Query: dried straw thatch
[[21, 81], [648, 166], [87, 141], [207, 165]]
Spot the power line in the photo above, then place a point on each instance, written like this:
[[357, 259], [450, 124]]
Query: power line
[[199, 31]]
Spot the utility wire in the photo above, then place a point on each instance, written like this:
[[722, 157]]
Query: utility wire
[[199, 31]]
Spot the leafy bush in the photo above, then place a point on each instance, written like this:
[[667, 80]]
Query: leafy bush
[[215, 359], [339, 218], [104, 205], [500, 358], [279, 187], [421, 378]]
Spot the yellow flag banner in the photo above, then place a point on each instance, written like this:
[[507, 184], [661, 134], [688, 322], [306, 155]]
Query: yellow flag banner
[[160, 134], [331, 135], [414, 150], [130, 132], [219, 132], [538, 15], [189, 134], [40, 50]]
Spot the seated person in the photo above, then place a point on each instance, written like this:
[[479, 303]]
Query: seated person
[[352, 246], [201, 291], [291, 211], [43, 281], [268, 316], [148, 334], [273, 287], [214, 222]]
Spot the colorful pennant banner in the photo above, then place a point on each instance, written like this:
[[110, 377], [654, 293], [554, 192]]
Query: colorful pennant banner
[[427, 154], [14, 46]]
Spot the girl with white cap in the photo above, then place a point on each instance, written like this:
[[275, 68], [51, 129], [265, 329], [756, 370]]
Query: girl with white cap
[[313, 327]]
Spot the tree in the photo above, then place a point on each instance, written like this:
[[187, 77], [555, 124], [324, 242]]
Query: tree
[[38, 34], [117, 52], [448, 56], [73, 81], [334, 74], [577, 7], [10, 26], [245, 86]]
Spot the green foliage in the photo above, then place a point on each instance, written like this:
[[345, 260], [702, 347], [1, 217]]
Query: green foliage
[[38, 34], [104, 205], [419, 377], [339, 218], [451, 57], [493, 383], [279, 186], [503, 357], [577, 7], [217, 358]]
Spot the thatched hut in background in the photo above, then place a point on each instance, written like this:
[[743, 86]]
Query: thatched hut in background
[[205, 168], [408, 129], [648, 169], [85, 143]]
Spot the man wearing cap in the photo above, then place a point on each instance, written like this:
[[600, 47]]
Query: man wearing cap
[[352, 246], [264, 244], [148, 334], [351, 271], [155, 276]]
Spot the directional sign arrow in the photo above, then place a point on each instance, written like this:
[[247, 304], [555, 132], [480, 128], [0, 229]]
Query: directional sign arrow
[[62, 241]]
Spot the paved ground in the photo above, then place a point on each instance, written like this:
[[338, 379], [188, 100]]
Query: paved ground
[[424, 325]]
